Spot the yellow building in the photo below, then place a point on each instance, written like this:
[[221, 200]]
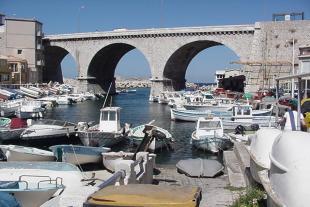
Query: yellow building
[[5, 72], [17, 68]]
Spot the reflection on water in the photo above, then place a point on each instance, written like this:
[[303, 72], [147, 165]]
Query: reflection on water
[[137, 110]]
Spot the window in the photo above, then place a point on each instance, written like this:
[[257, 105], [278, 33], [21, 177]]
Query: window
[[19, 52], [5, 77], [105, 116], [112, 116]]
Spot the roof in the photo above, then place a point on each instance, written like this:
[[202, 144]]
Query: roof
[[23, 19], [12, 58]]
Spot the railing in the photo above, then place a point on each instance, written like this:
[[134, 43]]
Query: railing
[[49, 179]]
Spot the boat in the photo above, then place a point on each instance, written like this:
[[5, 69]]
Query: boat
[[78, 155], [180, 114], [32, 193], [48, 129], [199, 167], [30, 92], [21, 153], [111, 159], [209, 135], [107, 133], [60, 100], [37, 171], [164, 140], [287, 182], [218, 105], [11, 129], [243, 115], [260, 148], [30, 109], [9, 108], [145, 195]]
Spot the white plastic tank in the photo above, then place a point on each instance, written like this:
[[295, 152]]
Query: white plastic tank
[[260, 148], [290, 168]]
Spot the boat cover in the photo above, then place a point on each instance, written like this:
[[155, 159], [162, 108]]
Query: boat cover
[[7, 200], [145, 195], [199, 167]]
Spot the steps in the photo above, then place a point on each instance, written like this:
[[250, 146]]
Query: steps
[[237, 165]]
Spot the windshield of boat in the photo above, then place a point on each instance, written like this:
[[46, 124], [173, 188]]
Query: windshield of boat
[[210, 125]]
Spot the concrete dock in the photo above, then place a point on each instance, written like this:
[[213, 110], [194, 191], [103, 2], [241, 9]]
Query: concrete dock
[[215, 191]]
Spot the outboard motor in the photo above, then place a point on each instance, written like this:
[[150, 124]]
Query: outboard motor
[[240, 130], [255, 127]]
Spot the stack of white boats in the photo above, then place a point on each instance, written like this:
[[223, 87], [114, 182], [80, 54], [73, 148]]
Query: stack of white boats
[[280, 162]]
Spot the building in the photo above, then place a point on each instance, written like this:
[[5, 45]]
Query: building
[[22, 39], [220, 74], [304, 59], [5, 73]]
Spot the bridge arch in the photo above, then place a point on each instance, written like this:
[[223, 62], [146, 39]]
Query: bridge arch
[[103, 64], [53, 58], [176, 66]]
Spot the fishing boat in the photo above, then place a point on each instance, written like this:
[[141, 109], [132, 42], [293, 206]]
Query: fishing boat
[[32, 193], [78, 155], [21, 153], [11, 129], [164, 140], [193, 115], [243, 115], [107, 133], [209, 135], [48, 129]]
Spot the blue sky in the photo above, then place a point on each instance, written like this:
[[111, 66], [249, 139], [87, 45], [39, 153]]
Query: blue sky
[[61, 16]]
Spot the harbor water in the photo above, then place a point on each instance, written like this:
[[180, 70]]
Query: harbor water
[[137, 110]]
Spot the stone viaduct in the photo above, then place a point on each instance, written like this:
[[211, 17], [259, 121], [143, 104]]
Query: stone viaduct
[[264, 48]]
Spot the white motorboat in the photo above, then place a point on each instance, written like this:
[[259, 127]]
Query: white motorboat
[[30, 109], [78, 155], [218, 105], [260, 148], [38, 171], [162, 141], [60, 100], [32, 193], [109, 131], [209, 135], [48, 129], [21, 153], [9, 108]]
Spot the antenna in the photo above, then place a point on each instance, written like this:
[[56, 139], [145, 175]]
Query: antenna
[[105, 100]]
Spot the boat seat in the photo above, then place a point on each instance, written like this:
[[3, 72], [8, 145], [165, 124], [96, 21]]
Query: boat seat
[[9, 185]]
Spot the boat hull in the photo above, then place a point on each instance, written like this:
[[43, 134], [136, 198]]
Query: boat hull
[[7, 135], [33, 198], [211, 144], [99, 139]]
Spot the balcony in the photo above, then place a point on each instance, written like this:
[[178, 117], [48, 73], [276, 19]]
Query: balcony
[[40, 47], [39, 33], [40, 62]]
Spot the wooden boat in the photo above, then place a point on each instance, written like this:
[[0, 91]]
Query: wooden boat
[[21, 153], [32, 193], [209, 135], [164, 139], [109, 131], [145, 195], [78, 155]]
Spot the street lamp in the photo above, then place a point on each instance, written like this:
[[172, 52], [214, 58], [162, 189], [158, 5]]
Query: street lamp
[[78, 20]]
